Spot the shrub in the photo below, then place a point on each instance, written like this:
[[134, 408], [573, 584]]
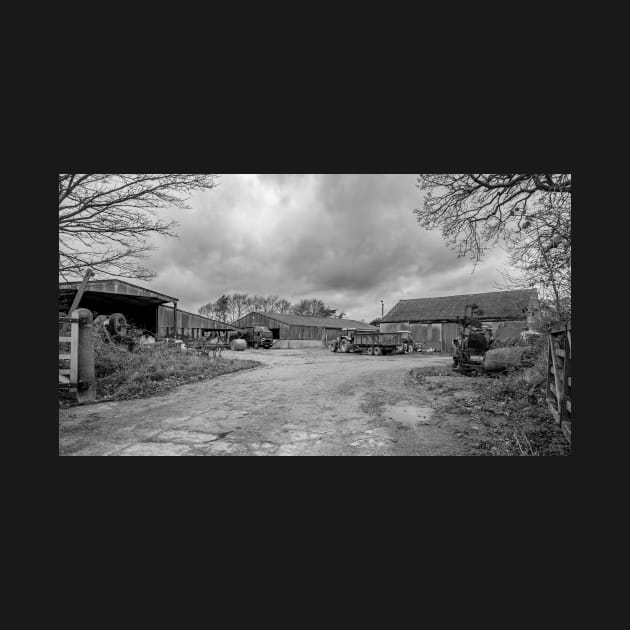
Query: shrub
[[122, 373]]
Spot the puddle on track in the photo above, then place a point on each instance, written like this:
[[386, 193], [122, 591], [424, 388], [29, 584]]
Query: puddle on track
[[408, 415]]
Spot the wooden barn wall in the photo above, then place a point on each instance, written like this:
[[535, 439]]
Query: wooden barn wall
[[429, 334], [258, 319], [253, 319], [296, 333], [304, 333], [188, 324], [441, 335], [394, 327], [449, 332], [420, 332]]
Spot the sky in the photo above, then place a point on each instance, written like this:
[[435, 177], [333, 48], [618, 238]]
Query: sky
[[350, 240]]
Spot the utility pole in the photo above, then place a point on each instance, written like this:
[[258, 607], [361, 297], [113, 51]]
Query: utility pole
[[382, 310]]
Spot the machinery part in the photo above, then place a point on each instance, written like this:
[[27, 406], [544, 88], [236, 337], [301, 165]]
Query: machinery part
[[477, 341], [333, 347], [455, 362], [256, 345], [345, 346], [370, 351], [101, 321], [378, 351], [117, 325]]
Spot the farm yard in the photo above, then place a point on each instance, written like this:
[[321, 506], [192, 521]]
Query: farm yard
[[315, 314], [313, 402]]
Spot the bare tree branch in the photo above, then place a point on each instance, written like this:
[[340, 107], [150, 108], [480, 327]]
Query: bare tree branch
[[111, 217], [530, 214]]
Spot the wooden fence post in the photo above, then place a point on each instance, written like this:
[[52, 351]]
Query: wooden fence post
[[86, 392]]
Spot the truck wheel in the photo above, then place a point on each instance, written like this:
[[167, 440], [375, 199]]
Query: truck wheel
[[455, 362], [345, 346], [370, 351], [255, 345], [378, 351], [333, 347]]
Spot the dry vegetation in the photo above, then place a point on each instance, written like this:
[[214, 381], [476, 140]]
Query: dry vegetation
[[123, 375], [508, 407], [517, 415]]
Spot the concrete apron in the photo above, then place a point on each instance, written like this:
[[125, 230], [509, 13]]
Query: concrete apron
[[292, 344]]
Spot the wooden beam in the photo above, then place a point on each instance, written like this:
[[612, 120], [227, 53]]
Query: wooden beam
[[77, 299], [555, 371], [80, 292]]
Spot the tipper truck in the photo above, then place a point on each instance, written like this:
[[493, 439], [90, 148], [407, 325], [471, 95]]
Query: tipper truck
[[371, 342]]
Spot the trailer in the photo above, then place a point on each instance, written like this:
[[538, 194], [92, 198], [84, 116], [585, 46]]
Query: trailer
[[372, 343]]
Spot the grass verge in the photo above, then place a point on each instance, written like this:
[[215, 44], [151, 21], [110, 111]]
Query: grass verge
[[124, 375]]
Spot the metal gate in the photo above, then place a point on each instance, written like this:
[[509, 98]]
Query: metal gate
[[76, 359]]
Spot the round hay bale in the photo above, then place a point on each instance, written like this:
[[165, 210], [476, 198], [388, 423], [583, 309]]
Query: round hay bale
[[239, 345], [503, 358]]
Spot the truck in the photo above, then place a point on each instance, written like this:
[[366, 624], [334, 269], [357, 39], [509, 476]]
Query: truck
[[257, 336], [371, 342]]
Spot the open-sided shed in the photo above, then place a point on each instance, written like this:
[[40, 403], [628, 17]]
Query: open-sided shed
[[298, 331], [144, 308], [104, 297]]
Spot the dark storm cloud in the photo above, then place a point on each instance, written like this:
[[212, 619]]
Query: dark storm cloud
[[350, 240], [364, 235]]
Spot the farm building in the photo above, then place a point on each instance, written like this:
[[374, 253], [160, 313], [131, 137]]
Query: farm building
[[189, 325], [297, 331], [433, 321], [143, 308]]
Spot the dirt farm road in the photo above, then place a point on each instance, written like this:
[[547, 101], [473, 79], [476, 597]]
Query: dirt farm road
[[299, 402]]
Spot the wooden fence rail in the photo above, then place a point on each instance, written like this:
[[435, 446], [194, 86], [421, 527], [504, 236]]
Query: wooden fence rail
[[76, 362], [559, 377]]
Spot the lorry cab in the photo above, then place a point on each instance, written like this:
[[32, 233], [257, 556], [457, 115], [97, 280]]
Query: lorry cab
[[258, 336]]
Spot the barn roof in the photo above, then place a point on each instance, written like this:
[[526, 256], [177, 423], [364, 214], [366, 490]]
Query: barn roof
[[302, 320], [118, 287], [496, 305]]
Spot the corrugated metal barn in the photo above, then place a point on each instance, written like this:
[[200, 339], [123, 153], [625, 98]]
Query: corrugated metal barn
[[143, 307], [433, 321], [297, 331], [189, 325]]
